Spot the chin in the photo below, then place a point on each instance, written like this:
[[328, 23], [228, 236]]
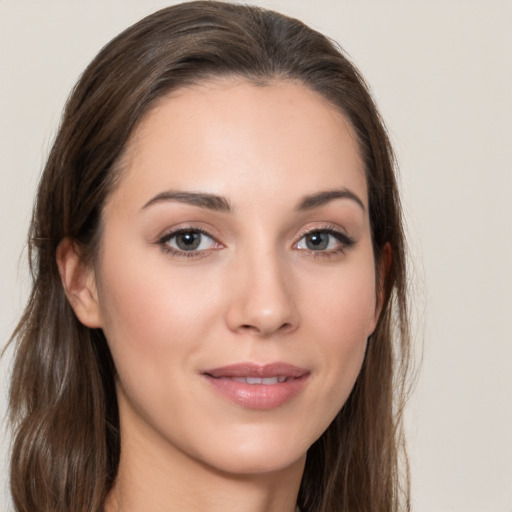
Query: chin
[[258, 453]]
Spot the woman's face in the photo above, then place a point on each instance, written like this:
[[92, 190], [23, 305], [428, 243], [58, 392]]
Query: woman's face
[[235, 282]]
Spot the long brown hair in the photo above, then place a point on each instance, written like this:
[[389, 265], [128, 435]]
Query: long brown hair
[[63, 405]]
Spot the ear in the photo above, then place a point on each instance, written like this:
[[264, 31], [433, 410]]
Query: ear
[[382, 269], [79, 282]]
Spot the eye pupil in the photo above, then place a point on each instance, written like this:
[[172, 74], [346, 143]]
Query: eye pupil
[[317, 241], [188, 241]]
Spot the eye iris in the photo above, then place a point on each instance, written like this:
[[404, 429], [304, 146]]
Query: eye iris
[[188, 241], [317, 241]]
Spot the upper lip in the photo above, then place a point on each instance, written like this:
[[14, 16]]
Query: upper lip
[[248, 369]]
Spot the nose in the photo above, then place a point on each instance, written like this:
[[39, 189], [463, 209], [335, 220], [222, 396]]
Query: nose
[[262, 302]]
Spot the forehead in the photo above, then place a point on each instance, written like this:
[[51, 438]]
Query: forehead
[[237, 139]]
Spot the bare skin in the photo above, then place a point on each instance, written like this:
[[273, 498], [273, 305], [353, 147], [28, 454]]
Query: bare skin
[[238, 234]]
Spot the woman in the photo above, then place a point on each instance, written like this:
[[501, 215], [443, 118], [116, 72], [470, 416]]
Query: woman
[[218, 317]]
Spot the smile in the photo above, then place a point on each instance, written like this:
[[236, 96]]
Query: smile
[[258, 387]]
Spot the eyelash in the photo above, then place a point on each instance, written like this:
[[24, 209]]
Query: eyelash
[[163, 242], [345, 241]]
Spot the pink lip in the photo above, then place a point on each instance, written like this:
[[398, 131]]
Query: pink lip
[[258, 396]]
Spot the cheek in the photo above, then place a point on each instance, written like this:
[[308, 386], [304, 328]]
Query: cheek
[[150, 312], [342, 302], [342, 316]]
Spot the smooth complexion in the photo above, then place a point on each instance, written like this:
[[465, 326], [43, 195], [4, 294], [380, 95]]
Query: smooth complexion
[[237, 237]]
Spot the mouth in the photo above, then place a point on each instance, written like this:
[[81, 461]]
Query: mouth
[[258, 386]]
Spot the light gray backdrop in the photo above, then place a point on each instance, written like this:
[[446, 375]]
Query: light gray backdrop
[[441, 72]]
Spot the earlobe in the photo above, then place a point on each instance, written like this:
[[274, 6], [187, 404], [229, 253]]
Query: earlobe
[[79, 283]]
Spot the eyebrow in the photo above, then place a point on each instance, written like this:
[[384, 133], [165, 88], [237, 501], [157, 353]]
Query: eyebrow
[[203, 200], [322, 198], [221, 204]]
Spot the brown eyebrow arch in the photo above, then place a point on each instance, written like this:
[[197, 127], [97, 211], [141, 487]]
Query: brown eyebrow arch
[[203, 200], [321, 198]]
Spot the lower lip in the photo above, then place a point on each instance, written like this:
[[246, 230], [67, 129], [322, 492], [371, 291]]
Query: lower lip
[[258, 396]]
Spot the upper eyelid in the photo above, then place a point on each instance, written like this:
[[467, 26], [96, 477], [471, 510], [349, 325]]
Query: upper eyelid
[[327, 227], [169, 233], [178, 231]]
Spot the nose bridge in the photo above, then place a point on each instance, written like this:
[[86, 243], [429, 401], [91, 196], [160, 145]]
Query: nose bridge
[[262, 302]]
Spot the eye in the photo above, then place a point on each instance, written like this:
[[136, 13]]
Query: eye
[[188, 241], [324, 240]]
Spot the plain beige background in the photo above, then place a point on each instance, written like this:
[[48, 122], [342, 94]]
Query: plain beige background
[[441, 72]]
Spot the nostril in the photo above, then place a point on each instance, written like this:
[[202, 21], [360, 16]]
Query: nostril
[[285, 327], [247, 328], [262, 331]]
